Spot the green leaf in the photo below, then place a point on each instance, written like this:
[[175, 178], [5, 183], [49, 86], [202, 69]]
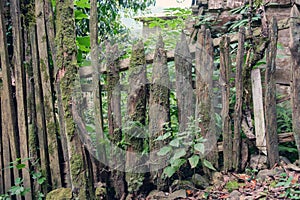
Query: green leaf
[[179, 153], [169, 171], [16, 190], [163, 137], [175, 142], [20, 166], [82, 4], [194, 160], [36, 175], [163, 151], [208, 164], [41, 180], [199, 147], [80, 15], [176, 164], [18, 181]]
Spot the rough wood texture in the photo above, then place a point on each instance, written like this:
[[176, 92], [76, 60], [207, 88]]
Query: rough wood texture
[[136, 118], [235, 3], [258, 110], [9, 124], [184, 86], [225, 88], [204, 99], [295, 68], [100, 154], [20, 93], [270, 97], [50, 137], [68, 81], [159, 110], [115, 120], [237, 141]]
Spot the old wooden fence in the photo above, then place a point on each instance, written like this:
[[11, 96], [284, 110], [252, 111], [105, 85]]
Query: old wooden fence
[[148, 103]]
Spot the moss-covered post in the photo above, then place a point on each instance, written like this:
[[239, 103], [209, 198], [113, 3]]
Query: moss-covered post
[[66, 76], [115, 120], [184, 86], [225, 88], [136, 117], [9, 124], [295, 69], [270, 97], [204, 95], [159, 110]]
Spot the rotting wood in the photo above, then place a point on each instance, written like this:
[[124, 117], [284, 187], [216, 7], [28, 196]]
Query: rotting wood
[[184, 85], [115, 120], [295, 69], [204, 96], [159, 111], [270, 97], [225, 88], [258, 110], [136, 119], [237, 140]]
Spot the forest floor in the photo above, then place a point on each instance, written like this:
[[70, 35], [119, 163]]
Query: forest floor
[[280, 182]]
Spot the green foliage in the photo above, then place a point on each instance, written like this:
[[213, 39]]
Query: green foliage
[[18, 188], [184, 147]]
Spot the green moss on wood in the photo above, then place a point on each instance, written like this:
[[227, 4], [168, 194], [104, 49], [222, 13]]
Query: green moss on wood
[[60, 193]]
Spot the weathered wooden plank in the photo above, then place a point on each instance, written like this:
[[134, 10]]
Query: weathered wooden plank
[[270, 97], [295, 68], [184, 85], [115, 120], [20, 93], [204, 100], [225, 88], [9, 124], [159, 110], [136, 118], [258, 109], [50, 137], [237, 140]]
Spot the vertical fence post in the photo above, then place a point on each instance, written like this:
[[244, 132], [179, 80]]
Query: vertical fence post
[[237, 141], [159, 108], [295, 68], [204, 99], [136, 117], [270, 97], [225, 88], [184, 85], [115, 119]]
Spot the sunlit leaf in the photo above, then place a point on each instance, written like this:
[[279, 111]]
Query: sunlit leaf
[[194, 160], [169, 171], [163, 151], [208, 164]]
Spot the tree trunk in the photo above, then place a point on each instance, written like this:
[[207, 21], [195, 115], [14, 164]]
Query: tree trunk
[[69, 93], [270, 97], [295, 65]]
